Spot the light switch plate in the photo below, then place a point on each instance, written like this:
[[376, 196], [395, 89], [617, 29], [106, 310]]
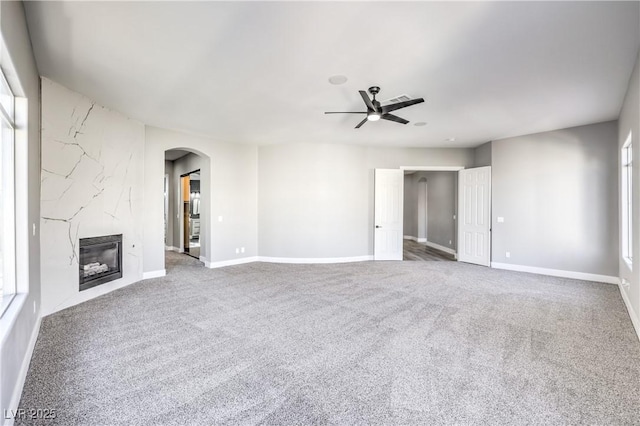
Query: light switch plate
[[500, 219]]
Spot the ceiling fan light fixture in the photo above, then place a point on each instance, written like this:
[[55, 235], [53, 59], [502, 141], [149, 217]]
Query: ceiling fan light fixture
[[375, 111]]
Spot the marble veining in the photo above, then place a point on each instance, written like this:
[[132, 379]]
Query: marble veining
[[92, 184]]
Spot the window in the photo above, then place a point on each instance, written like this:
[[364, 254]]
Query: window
[[627, 204], [7, 195]]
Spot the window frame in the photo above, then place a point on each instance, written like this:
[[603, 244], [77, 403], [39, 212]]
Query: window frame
[[8, 180], [626, 197]]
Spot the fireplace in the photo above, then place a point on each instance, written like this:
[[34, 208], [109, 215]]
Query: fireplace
[[100, 260]]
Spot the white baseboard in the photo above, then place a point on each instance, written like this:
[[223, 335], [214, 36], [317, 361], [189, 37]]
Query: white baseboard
[[291, 260], [154, 274], [171, 248], [416, 239], [22, 375], [230, 262], [89, 294], [557, 273], [430, 244], [632, 314], [441, 248], [311, 260]]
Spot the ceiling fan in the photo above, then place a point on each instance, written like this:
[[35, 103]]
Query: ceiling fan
[[375, 111]]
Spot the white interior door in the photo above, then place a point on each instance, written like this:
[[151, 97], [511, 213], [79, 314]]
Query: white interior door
[[389, 187], [474, 215]]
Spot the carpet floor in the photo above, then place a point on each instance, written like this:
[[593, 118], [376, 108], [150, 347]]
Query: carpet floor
[[355, 343]]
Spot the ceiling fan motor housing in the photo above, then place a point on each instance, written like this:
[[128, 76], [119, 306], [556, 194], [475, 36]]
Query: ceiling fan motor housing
[[375, 111]]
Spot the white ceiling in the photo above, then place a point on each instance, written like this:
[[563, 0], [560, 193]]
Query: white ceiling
[[258, 72]]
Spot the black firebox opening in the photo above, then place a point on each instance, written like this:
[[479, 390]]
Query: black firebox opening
[[100, 260]]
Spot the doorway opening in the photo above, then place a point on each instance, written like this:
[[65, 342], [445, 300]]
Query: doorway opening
[[472, 233], [430, 215], [187, 190], [190, 189]]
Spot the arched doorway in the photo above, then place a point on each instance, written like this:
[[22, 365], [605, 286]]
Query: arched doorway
[[187, 195]]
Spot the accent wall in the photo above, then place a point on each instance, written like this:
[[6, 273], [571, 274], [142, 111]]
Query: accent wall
[[92, 185]]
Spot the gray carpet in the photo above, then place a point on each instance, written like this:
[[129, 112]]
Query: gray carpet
[[360, 343]]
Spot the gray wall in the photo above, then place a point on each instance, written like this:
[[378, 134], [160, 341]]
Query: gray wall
[[15, 337], [316, 200], [557, 192], [441, 207], [482, 155], [312, 201], [629, 121], [410, 210], [170, 204], [442, 196]]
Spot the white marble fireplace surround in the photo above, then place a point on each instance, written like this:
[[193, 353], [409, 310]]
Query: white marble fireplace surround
[[92, 185]]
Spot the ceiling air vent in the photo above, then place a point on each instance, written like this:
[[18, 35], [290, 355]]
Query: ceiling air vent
[[399, 98]]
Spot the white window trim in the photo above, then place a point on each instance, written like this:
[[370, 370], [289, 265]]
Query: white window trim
[[626, 185], [9, 209]]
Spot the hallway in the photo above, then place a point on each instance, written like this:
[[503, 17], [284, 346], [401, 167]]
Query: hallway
[[181, 262], [412, 250]]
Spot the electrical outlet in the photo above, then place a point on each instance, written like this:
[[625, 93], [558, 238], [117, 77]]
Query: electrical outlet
[[449, 242], [34, 306], [241, 249], [219, 218], [237, 250], [508, 254], [34, 229]]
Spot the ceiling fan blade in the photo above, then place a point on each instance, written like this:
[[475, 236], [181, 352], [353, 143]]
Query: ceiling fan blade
[[367, 101], [393, 107], [362, 122], [395, 118], [346, 112]]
